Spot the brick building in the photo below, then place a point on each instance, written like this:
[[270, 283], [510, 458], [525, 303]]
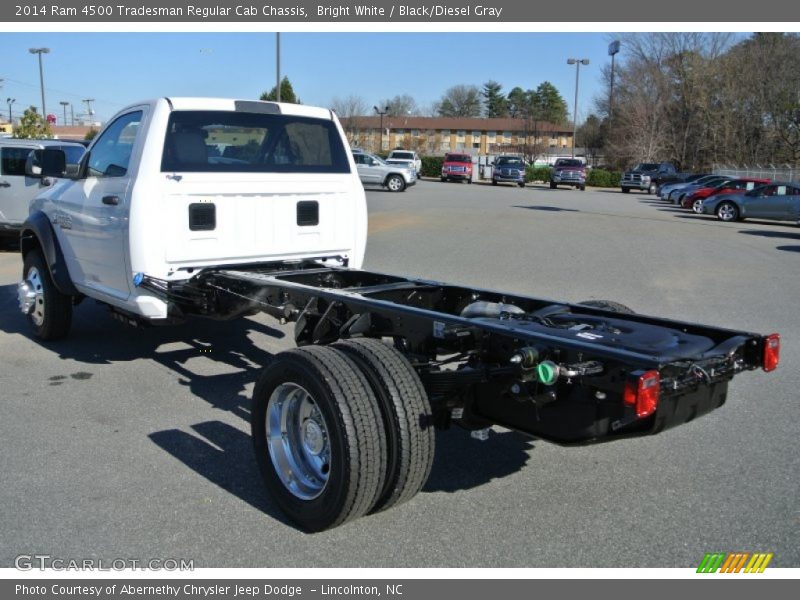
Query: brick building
[[434, 136]]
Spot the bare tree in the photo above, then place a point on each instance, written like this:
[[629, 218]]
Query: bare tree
[[399, 106], [349, 110], [461, 101]]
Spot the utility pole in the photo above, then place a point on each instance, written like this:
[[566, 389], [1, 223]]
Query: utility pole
[[89, 111], [278, 66], [64, 103], [577, 62], [41, 51]]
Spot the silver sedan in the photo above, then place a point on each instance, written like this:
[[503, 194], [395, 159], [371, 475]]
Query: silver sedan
[[779, 201]]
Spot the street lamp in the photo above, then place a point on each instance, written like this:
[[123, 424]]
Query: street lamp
[[65, 104], [10, 101], [41, 51], [613, 48], [577, 62], [381, 113]]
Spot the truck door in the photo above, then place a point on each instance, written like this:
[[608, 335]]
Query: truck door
[[93, 212]]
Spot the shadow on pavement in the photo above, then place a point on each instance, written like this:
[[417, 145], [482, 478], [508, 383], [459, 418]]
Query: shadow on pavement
[[772, 234], [548, 208], [788, 248], [96, 338], [462, 463], [223, 455]]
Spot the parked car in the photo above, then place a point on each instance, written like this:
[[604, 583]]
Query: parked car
[[568, 171], [779, 201], [509, 169], [408, 156], [457, 167], [21, 179], [372, 170], [644, 176], [663, 190], [676, 196], [729, 186]]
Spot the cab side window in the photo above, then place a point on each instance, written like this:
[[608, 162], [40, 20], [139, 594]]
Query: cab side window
[[12, 160], [111, 153]]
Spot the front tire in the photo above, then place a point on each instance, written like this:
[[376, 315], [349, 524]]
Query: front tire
[[626, 190], [652, 189], [728, 212], [49, 311], [552, 185], [697, 206], [318, 437], [395, 183], [407, 417], [521, 184]]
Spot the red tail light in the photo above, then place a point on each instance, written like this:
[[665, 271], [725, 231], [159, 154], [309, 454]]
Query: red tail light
[[772, 351], [641, 391]]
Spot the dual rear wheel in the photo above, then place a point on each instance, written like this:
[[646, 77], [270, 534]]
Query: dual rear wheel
[[341, 431]]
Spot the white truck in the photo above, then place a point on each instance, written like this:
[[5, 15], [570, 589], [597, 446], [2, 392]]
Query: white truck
[[406, 156], [160, 224]]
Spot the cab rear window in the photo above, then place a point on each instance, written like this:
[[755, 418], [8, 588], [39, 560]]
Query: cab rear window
[[226, 141]]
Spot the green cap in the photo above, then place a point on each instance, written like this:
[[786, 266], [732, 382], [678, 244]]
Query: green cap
[[547, 372]]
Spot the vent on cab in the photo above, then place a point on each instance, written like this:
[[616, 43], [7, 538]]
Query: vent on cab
[[202, 216]]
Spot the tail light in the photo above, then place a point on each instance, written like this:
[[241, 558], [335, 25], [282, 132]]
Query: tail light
[[772, 352], [641, 392]]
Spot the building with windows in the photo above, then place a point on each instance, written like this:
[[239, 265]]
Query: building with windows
[[434, 136]]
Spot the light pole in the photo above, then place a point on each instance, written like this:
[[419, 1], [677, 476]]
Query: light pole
[[381, 113], [577, 62], [613, 48], [10, 101], [41, 51], [64, 104], [278, 66]]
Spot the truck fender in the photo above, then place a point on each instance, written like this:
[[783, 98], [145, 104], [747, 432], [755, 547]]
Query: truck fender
[[38, 232]]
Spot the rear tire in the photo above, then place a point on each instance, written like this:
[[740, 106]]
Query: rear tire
[[608, 305], [494, 182], [51, 312], [583, 188], [318, 437], [521, 184], [406, 414]]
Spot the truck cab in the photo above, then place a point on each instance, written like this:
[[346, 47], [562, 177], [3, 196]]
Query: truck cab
[[174, 185]]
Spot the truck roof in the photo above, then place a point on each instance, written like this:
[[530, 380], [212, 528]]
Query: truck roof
[[202, 103]]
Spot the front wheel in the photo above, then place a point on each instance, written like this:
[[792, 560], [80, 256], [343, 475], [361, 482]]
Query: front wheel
[[652, 189], [443, 179], [552, 185], [697, 206], [395, 183], [48, 310], [727, 211], [626, 190], [582, 187], [318, 437], [494, 182], [521, 184]]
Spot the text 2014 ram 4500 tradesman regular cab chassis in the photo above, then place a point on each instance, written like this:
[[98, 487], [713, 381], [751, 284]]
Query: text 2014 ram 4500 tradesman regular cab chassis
[[221, 208]]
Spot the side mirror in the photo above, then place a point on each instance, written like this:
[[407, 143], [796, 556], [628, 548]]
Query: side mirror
[[54, 163]]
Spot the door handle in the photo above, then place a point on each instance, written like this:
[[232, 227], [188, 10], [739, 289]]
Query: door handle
[[4, 184], [111, 200]]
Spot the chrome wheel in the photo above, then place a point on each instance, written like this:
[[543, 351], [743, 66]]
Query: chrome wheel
[[30, 294], [698, 207], [298, 441], [727, 212]]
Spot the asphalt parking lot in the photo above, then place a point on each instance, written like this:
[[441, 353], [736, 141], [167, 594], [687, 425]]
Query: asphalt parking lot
[[125, 443]]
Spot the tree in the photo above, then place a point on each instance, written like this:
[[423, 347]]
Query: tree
[[518, 103], [91, 134], [591, 135], [399, 106], [287, 93], [349, 110], [461, 101], [32, 126], [495, 104], [547, 104]]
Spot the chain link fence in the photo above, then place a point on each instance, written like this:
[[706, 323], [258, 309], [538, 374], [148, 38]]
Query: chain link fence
[[785, 173]]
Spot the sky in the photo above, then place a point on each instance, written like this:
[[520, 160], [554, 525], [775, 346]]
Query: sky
[[117, 69]]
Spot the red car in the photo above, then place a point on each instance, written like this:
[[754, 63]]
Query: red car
[[457, 167], [729, 186]]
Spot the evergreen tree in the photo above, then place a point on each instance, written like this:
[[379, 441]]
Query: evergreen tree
[[287, 93], [494, 102]]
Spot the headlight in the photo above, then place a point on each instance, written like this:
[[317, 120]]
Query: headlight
[[645, 178]]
